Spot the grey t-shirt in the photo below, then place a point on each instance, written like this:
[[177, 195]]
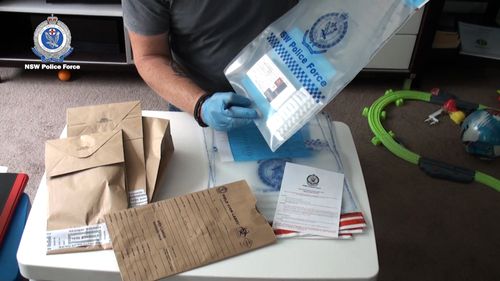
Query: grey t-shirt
[[205, 35]]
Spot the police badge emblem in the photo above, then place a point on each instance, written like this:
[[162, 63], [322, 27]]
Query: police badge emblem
[[312, 180], [52, 40], [271, 172], [326, 32]]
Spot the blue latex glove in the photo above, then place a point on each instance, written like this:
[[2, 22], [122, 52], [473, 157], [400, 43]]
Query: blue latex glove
[[225, 111]]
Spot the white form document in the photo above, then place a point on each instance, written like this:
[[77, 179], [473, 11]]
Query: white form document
[[481, 41], [310, 200]]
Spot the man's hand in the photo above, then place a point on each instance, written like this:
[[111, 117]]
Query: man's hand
[[226, 111]]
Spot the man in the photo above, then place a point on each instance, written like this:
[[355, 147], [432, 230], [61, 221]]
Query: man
[[181, 48]]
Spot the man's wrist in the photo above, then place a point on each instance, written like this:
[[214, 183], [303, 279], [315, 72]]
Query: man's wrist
[[197, 109]]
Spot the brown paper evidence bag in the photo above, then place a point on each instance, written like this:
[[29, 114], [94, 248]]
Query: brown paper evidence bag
[[86, 178], [158, 149], [174, 235], [126, 116], [86, 185]]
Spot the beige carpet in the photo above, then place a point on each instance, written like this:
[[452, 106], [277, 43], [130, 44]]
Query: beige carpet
[[426, 229]]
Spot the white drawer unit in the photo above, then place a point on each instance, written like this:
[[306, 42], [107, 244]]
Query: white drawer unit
[[397, 52]]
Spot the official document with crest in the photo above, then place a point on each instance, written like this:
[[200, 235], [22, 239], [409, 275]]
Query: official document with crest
[[310, 200]]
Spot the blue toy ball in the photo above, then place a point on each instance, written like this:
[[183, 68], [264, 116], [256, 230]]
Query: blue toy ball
[[481, 133]]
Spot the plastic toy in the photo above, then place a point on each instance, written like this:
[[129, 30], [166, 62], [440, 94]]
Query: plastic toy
[[64, 75], [457, 116], [433, 168], [481, 133], [433, 117], [450, 107]]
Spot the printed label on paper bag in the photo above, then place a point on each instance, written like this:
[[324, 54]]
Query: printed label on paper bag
[[91, 235], [137, 197]]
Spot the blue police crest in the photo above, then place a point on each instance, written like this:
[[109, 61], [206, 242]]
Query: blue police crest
[[271, 172], [52, 40], [326, 32]]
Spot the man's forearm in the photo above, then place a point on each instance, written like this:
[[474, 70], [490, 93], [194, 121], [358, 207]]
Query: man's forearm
[[168, 81]]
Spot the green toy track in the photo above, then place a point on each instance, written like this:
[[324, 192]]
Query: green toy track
[[376, 114]]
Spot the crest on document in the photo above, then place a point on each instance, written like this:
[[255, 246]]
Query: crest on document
[[52, 40], [312, 180], [326, 32]]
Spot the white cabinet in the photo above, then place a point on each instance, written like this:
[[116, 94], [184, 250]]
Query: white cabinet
[[397, 53]]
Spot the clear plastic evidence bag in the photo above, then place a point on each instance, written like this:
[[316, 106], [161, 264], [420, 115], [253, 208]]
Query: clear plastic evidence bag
[[300, 62], [264, 176]]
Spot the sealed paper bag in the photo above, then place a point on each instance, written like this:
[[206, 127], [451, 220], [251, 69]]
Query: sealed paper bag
[[85, 181], [181, 233], [158, 148], [112, 117]]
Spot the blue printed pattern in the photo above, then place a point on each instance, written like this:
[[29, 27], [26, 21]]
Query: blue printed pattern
[[295, 68], [315, 144]]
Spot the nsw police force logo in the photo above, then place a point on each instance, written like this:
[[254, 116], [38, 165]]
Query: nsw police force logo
[[271, 172], [52, 40], [326, 32], [312, 180]]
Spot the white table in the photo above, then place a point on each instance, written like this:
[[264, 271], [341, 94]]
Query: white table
[[297, 259]]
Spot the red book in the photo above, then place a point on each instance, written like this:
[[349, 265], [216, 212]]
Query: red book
[[11, 188]]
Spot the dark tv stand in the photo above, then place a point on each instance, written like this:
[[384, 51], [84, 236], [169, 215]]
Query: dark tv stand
[[98, 34]]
